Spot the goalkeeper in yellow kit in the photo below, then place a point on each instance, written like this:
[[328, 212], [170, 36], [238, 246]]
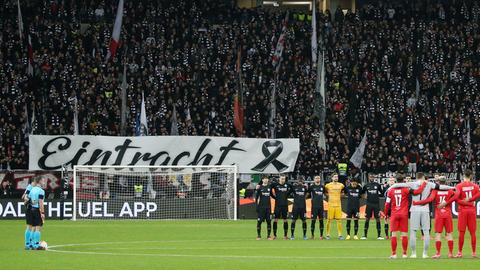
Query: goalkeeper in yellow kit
[[334, 191]]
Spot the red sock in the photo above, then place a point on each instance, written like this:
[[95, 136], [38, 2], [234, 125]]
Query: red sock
[[450, 246], [461, 238], [438, 245], [393, 242], [473, 236], [404, 244]]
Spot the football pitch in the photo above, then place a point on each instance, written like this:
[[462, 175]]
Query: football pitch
[[202, 245]]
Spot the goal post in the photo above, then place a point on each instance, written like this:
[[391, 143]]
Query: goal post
[[154, 192]]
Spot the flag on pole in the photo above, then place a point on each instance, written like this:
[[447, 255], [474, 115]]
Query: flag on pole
[[273, 110], [188, 117], [468, 142], [20, 21], [123, 110], [238, 112], [141, 129], [314, 33], [27, 127], [117, 28], [141, 125], [32, 122], [357, 157], [74, 102], [417, 89], [30, 57], [322, 83], [76, 131], [320, 100], [276, 61], [137, 125], [174, 127], [277, 56]]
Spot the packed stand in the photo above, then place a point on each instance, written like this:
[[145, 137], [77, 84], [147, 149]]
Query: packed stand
[[183, 54]]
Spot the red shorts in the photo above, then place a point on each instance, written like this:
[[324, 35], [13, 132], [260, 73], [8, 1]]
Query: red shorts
[[399, 223], [467, 218], [443, 222]]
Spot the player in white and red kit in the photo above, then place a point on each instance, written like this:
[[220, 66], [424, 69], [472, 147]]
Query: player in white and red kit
[[443, 217], [467, 217], [397, 205]]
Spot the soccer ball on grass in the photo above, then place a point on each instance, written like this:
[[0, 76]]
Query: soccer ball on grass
[[43, 244]]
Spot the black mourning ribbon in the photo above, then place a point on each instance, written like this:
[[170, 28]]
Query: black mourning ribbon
[[271, 157]]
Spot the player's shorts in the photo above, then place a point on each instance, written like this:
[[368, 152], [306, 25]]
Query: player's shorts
[[281, 212], [317, 212], [419, 220], [28, 216], [467, 218], [263, 214], [372, 210], [36, 217], [299, 213], [399, 223], [353, 213], [443, 222], [334, 212]]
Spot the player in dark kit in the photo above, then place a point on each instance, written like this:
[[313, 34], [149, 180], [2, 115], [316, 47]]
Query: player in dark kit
[[372, 191], [299, 208], [390, 182], [281, 191], [353, 193], [316, 193], [262, 201]]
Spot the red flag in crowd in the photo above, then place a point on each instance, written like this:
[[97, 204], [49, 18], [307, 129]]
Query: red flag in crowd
[[117, 27], [238, 115]]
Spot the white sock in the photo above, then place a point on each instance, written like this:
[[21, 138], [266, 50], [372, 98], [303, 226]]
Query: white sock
[[426, 241], [413, 241]]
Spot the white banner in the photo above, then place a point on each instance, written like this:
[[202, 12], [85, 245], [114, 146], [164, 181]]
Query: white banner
[[48, 152]]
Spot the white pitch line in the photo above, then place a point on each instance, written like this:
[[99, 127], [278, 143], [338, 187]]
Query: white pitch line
[[142, 242], [199, 241], [216, 256], [89, 252], [229, 248]]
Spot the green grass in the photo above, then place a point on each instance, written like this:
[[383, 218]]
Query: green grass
[[201, 245]]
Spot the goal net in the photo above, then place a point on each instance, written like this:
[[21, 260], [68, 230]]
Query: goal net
[[154, 192]]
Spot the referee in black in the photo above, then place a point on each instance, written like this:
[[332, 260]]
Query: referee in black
[[28, 214], [372, 191]]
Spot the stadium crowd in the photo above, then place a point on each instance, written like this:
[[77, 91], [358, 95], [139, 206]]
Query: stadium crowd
[[405, 73]]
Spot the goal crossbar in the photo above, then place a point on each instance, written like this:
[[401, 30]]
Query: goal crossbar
[[155, 192]]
